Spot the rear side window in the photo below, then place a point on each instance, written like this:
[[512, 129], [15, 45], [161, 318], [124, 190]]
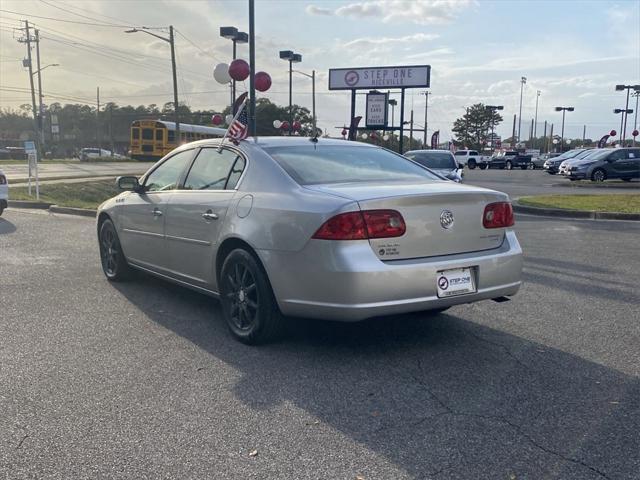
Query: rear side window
[[211, 170], [460, 154], [317, 164], [436, 160]]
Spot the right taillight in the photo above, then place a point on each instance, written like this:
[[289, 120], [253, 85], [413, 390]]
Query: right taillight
[[362, 225], [498, 215]]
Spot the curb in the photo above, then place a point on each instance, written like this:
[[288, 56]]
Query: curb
[[562, 213], [622, 186], [84, 212]]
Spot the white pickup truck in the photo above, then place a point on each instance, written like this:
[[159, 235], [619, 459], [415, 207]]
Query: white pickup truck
[[472, 159]]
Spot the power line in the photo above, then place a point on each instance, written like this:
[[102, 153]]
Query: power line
[[73, 13], [197, 46], [65, 21], [94, 13]]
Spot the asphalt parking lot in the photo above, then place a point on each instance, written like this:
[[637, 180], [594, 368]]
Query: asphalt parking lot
[[518, 183], [141, 380]]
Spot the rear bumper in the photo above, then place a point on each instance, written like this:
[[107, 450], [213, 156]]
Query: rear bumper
[[348, 282]]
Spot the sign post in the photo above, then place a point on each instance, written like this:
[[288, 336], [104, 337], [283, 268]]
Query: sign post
[[32, 156], [371, 78]]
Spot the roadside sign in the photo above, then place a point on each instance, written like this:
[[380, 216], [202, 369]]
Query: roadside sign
[[415, 76], [32, 156], [376, 110]]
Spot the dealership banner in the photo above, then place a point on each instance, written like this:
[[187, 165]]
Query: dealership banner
[[416, 76], [435, 139]]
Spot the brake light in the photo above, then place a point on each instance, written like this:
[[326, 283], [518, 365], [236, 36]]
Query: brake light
[[362, 225], [3, 180], [498, 215]]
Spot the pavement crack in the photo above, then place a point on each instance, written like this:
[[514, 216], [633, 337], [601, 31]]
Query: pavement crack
[[502, 347], [21, 442]]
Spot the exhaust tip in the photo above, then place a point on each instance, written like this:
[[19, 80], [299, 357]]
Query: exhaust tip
[[501, 299]]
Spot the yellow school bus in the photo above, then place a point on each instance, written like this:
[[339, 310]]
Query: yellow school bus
[[153, 139]]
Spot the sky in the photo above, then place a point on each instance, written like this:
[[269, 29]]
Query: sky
[[573, 52]]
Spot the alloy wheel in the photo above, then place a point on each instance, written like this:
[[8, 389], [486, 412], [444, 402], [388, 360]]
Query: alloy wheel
[[241, 294], [109, 251]]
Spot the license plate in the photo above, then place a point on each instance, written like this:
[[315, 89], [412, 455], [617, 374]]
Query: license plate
[[458, 281]]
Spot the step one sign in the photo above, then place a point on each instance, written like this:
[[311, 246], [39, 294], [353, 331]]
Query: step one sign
[[376, 110], [416, 76]]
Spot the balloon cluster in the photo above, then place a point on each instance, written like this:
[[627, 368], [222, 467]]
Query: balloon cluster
[[284, 126], [239, 70]]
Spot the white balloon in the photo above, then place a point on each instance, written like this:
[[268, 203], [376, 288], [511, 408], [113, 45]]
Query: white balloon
[[229, 119], [277, 124], [385, 137], [221, 73], [365, 136]]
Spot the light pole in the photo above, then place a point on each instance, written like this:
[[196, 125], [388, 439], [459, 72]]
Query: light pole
[[232, 33], [426, 116], [40, 105], [635, 120], [171, 42], [535, 123], [292, 58], [493, 109], [563, 110], [620, 88], [313, 96], [523, 80]]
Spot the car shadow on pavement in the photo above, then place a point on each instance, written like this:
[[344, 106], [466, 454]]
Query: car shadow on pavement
[[6, 227], [432, 394]]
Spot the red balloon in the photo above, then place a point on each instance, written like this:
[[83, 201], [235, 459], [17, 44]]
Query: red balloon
[[373, 135], [613, 133], [239, 70], [344, 132], [262, 81], [297, 125], [285, 125], [217, 119], [635, 133]]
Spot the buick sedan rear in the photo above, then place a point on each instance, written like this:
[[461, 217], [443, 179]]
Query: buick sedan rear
[[326, 229]]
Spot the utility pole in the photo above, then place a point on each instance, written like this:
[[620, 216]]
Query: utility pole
[[40, 107], [313, 101], [426, 115], [111, 128], [27, 40], [523, 80], [550, 139], [535, 125], [584, 134], [411, 130], [531, 133], [175, 85], [544, 145], [513, 134], [98, 139]]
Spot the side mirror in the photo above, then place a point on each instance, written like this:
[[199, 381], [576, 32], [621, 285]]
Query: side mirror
[[128, 183]]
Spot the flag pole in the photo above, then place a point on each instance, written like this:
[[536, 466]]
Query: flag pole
[[235, 117]]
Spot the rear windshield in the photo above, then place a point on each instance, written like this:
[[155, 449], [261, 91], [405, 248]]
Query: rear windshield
[[316, 164], [435, 160]]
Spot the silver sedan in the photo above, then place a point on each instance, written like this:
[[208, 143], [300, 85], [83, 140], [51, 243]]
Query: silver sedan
[[321, 228]]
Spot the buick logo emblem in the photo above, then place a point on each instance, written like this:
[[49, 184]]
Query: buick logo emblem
[[446, 219]]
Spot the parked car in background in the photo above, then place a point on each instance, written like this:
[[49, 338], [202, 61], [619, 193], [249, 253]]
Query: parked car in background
[[607, 163], [325, 229], [510, 160], [440, 161], [87, 153], [563, 169], [538, 162], [472, 159], [4, 192], [552, 165]]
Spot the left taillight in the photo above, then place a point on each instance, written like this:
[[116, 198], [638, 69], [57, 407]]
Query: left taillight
[[498, 215], [3, 180]]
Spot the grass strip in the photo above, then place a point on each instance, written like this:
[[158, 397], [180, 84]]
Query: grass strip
[[623, 203], [79, 195]]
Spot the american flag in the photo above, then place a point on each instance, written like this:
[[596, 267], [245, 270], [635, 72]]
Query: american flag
[[239, 128]]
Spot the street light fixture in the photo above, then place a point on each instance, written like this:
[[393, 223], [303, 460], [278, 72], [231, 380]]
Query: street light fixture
[[292, 58], [493, 109], [232, 33], [171, 42], [628, 88], [563, 110]]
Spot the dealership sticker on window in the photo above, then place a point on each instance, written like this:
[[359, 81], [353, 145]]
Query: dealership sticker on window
[[455, 282]]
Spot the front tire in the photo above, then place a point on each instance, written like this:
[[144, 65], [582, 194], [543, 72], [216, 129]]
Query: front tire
[[483, 166], [114, 264], [598, 175], [471, 164], [509, 165], [248, 303]]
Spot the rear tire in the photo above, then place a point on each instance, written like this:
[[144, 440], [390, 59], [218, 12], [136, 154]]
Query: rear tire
[[471, 164], [598, 175], [483, 166], [114, 263], [249, 306], [523, 167]]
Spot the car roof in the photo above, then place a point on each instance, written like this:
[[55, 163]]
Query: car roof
[[284, 141]]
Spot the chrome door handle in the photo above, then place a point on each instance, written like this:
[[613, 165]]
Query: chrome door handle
[[209, 216], [156, 212]]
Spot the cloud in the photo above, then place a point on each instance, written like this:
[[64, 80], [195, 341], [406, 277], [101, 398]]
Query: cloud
[[437, 52], [313, 10], [368, 42], [422, 12]]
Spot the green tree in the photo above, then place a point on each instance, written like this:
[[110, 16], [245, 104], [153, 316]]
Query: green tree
[[474, 127]]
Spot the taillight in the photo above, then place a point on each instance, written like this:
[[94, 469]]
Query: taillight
[[362, 225], [3, 180], [498, 215]]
